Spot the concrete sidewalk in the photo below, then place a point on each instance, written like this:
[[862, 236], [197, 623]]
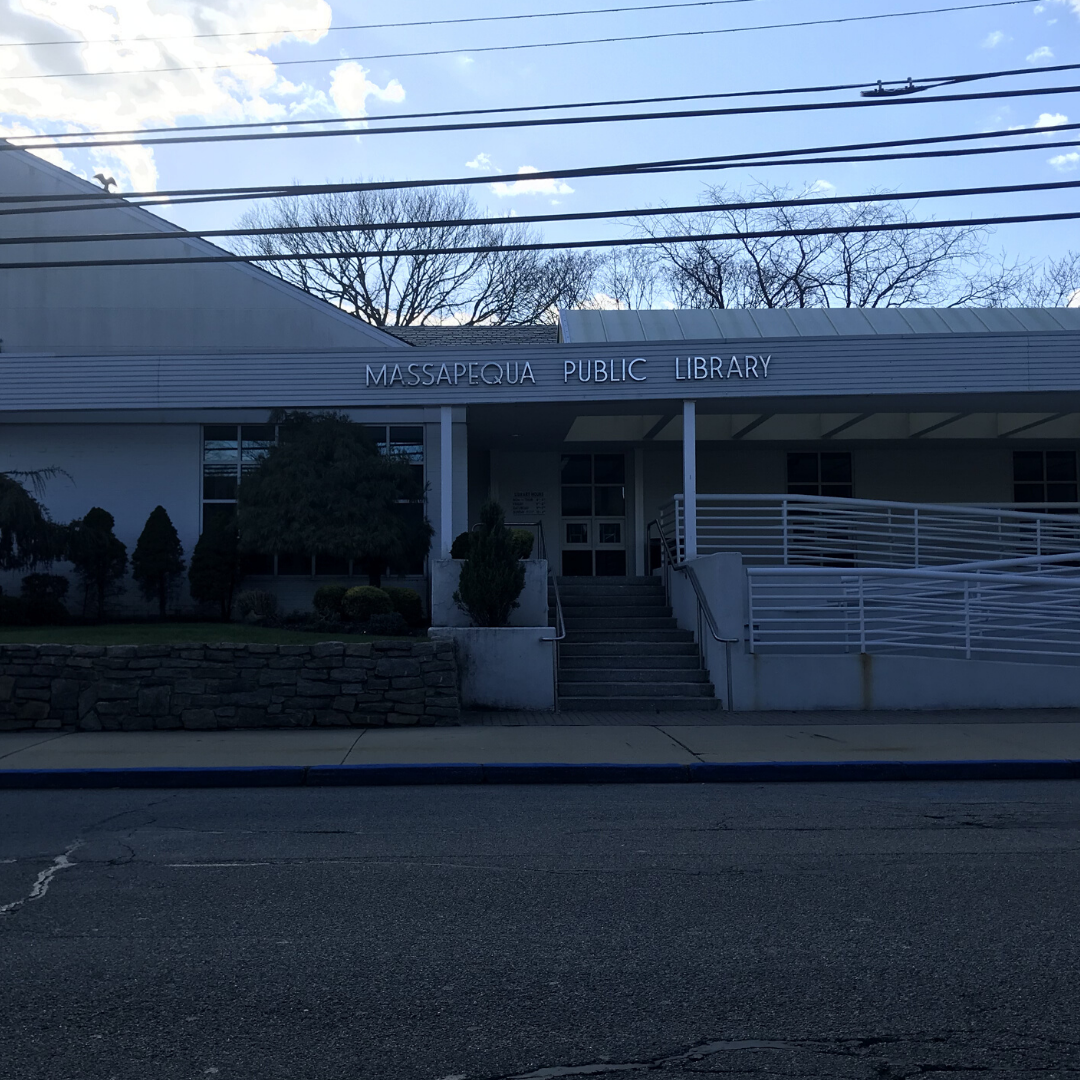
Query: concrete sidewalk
[[668, 751]]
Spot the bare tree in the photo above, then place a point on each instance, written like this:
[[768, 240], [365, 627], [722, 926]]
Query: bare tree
[[403, 284], [1057, 284], [628, 277], [828, 262]]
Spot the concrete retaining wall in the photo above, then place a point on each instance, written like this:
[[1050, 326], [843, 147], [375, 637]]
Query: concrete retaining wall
[[506, 667], [146, 687]]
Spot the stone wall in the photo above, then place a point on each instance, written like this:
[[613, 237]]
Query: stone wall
[[146, 687]]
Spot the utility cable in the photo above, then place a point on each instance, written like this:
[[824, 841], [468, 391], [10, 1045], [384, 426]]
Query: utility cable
[[531, 45], [375, 26], [545, 219], [932, 82], [39, 204], [640, 241], [562, 121]]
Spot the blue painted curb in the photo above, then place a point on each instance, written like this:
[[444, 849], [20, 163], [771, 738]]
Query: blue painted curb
[[750, 772]]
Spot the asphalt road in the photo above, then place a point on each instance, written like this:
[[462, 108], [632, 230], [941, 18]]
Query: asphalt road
[[827, 931]]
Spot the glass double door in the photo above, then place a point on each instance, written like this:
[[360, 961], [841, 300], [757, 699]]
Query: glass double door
[[593, 515]]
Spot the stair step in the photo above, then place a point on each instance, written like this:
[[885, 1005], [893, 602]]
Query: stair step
[[653, 676], [629, 648], [607, 582], [647, 637], [592, 610], [637, 622], [644, 690], [616, 658], [638, 704]]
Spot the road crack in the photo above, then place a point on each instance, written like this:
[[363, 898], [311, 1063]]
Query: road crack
[[43, 880]]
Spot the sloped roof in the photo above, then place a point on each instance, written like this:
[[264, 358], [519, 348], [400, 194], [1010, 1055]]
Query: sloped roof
[[166, 308], [715, 324], [444, 337]]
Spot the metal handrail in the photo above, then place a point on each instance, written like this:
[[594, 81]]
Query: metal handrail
[[702, 606], [699, 592], [975, 509]]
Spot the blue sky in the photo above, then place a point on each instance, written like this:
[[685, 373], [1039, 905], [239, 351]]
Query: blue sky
[[256, 88]]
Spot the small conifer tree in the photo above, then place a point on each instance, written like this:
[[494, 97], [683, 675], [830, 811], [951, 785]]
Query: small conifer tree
[[99, 558], [215, 565], [492, 576], [158, 559]]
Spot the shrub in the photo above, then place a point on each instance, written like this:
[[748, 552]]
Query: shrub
[[392, 624], [215, 565], [158, 560], [99, 558], [363, 601], [522, 541], [257, 603], [492, 577], [328, 600], [43, 597], [13, 611], [459, 549], [407, 604]]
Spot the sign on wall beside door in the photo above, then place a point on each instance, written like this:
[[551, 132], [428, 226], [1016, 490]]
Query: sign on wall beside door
[[530, 505]]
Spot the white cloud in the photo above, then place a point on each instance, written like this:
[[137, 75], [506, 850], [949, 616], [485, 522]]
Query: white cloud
[[482, 162], [1066, 162], [531, 187], [993, 40], [1051, 120], [350, 88], [245, 84], [1043, 52], [821, 187]]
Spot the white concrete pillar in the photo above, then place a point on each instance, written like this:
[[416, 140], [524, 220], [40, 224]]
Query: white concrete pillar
[[689, 413], [446, 480]]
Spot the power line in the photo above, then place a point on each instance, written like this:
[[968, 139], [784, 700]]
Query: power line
[[561, 121], [933, 82], [531, 45], [762, 159], [375, 26], [536, 219], [910, 226]]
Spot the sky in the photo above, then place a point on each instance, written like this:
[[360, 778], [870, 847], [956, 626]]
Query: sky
[[272, 74]]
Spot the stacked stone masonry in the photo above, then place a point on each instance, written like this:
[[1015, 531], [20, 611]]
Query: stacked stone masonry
[[147, 687]]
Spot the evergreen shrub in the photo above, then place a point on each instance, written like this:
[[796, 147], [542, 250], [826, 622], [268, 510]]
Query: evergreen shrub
[[256, 603], [492, 577], [459, 549], [43, 598], [158, 560], [13, 611], [523, 541], [363, 601], [328, 600], [407, 604], [99, 558], [215, 566]]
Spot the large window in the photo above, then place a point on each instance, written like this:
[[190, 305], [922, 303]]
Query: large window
[[1044, 476], [231, 450], [819, 473]]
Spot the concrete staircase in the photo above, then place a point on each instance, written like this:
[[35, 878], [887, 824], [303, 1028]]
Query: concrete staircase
[[623, 651]]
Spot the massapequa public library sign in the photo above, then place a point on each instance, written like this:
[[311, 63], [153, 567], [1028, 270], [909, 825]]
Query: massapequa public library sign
[[595, 372]]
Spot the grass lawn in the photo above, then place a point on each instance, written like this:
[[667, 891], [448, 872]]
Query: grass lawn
[[165, 634]]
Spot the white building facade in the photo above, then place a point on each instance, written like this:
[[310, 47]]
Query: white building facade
[[614, 430]]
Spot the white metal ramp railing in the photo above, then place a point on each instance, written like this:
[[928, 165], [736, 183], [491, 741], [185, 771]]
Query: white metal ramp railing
[[810, 530], [1031, 616]]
